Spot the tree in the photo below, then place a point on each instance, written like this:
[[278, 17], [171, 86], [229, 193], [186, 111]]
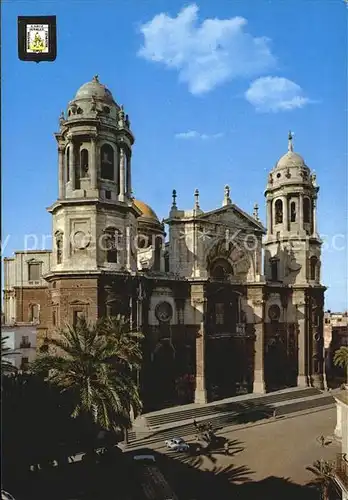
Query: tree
[[341, 359], [323, 471], [94, 363], [6, 366]]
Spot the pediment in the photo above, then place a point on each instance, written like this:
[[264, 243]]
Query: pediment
[[233, 216], [34, 261], [79, 303]]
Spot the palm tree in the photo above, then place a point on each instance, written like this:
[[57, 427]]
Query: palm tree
[[323, 471], [341, 359], [6, 366], [94, 364]]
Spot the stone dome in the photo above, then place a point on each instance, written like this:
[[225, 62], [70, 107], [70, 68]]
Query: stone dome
[[94, 89], [289, 169], [146, 211], [290, 159]]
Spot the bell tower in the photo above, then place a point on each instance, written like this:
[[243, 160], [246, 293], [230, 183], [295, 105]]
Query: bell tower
[[292, 244], [94, 218], [292, 257]]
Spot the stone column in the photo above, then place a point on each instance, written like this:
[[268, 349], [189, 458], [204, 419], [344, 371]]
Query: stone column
[[129, 179], [258, 305], [93, 163], [269, 217], [285, 214], [302, 376], [116, 167], [300, 208], [127, 248], [314, 217], [199, 303], [72, 164], [122, 174], [61, 182]]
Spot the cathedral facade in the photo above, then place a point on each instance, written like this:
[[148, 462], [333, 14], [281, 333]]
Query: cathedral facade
[[226, 305]]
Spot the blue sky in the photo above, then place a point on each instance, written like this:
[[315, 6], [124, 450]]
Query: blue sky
[[211, 89]]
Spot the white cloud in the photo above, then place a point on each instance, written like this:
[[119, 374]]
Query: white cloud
[[193, 134], [273, 93], [206, 54]]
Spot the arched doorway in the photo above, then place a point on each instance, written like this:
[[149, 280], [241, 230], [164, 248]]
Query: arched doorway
[[163, 390], [276, 363], [220, 269]]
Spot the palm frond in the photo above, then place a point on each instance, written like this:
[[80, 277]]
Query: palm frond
[[341, 357], [94, 363]]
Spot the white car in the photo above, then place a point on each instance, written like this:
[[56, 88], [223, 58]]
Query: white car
[[176, 444], [6, 496]]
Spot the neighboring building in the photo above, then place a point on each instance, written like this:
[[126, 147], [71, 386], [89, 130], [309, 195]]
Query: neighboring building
[[341, 432], [335, 336], [212, 313], [334, 320], [25, 290], [21, 339]]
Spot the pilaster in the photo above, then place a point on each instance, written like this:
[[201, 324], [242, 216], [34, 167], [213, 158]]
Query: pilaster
[[199, 302], [122, 175], [257, 302], [301, 307]]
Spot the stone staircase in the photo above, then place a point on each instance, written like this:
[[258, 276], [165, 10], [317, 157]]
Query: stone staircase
[[161, 425]]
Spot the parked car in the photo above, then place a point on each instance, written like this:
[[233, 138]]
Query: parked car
[[144, 458], [176, 444]]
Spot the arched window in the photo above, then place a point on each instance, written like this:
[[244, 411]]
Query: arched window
[[67, 164], [84, 162], [278, 211], [274, 270], [292, 211], [313, 265], [34, 313], [221, 269], [158, 250], [59, 246], [107, 162], [306, 210], [112, 244]]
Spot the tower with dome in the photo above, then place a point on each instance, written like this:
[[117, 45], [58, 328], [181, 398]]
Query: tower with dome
[[226, 305]]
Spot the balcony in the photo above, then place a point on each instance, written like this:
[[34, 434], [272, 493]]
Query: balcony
[[341, 469], [25, 345]]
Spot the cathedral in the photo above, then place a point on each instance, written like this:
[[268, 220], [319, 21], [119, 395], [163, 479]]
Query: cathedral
[[227, 305]]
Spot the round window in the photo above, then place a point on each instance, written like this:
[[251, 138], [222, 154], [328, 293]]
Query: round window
[[164, 311], [274, 312]]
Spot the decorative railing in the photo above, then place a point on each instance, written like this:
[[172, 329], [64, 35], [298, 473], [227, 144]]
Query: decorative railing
[[341, 468], [24, 345]]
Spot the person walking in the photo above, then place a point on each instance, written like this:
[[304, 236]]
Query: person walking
[[226, 448]]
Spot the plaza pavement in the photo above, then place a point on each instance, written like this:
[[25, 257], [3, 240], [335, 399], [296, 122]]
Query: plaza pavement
[[282, 447], [285, 447]]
